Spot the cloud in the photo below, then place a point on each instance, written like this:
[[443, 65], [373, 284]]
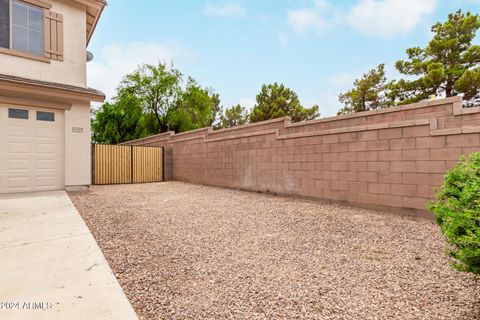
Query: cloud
[[282, 39], [303, 20], [388, 18], [342, 79], [114, 61], [318, 16], [384, 18], [224, 10], [248, 103]]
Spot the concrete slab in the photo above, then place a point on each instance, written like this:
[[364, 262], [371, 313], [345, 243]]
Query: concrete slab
[[51, 266]]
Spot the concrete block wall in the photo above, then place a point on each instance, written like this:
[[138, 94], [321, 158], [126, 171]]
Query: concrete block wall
[[387, 159]]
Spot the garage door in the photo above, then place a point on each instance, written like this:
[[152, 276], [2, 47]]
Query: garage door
[[31, 149]]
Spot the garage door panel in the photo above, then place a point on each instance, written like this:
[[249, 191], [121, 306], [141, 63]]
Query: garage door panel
[[19, 148], [46, 148], [20, 130], [18, 182], [18, 165], [44, 164], [46, 133], [45, 181], [31, 152]]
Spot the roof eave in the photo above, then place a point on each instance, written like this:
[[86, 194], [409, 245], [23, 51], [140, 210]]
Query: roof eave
[[94, 26], [97, 6], [16, 86]]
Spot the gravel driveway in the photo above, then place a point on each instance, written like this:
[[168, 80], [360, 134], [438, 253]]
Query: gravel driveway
[[183, 251]]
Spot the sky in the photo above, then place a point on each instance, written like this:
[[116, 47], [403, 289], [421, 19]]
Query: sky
[[315, 47]]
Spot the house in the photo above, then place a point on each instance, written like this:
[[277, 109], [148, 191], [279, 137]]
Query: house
[[44, 98]]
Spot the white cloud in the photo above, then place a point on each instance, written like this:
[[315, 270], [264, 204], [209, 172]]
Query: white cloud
[[384, 18], [114, 61], [282, 39], [248, 103], [387, 18], [224, 9], [342, 79], [303, 20]]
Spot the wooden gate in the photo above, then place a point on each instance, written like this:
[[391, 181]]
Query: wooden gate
[[126, 164]]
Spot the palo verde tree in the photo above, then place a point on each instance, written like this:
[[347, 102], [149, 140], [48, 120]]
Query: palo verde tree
[[157, 88], [276, 100], [449, 65], [195, 108], [369, 92], [151, 100], [234, 116]]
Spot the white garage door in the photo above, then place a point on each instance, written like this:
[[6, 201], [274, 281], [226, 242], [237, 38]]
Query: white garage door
[[31, 149]]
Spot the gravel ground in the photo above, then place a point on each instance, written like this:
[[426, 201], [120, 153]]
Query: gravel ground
[[183, 251]]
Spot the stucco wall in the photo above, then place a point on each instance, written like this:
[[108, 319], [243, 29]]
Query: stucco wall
[[387, 158], [72, 70], [77, 146]]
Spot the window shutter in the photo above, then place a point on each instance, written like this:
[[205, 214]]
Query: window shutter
[[53, 35]]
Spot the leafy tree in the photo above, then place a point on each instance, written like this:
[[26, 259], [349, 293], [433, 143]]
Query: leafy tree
[[234, 116], [195, 108], [116, 122], [369, 92], [157, 89], [449, 65], [276, 100], [154, 99]]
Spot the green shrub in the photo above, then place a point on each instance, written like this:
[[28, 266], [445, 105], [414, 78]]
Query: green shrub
[[457, 211]]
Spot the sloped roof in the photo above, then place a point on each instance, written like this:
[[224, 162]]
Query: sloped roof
[[81, 93]]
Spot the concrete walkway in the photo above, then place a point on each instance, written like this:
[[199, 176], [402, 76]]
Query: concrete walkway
[[50, 265]]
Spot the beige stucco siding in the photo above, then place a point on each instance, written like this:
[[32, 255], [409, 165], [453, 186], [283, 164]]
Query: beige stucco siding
[[77, 146], [72, 70]]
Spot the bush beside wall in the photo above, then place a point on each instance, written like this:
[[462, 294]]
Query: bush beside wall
[[457, 211]]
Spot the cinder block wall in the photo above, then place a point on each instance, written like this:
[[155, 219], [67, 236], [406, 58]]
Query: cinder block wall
[[384, 158]]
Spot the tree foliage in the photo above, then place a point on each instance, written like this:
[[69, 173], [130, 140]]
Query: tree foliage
[[449, 65], [158, 90], [117, 122], [154, 99], [276, 100], [457, 211], [234, 116], [194, 109], [214, 118], [369, 92]]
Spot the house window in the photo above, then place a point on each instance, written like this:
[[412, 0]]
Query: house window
[[45, 116], [17, 113], [27, 28], [5, 23]]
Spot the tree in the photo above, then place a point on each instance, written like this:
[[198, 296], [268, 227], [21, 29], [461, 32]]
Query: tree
[[449, 65], [155, 99], [234, 116], [276, 100], [369, 92], [195, 108], [157, 89], [116, 122], [216, 112]]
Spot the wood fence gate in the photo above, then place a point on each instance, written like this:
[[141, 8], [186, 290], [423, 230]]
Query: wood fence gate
[[126, 164]]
